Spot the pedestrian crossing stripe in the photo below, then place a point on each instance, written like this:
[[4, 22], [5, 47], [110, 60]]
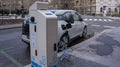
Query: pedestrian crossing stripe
[[98, 20]]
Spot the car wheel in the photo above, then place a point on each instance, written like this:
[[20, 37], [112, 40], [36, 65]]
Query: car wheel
[[84, 33], [63, 43]]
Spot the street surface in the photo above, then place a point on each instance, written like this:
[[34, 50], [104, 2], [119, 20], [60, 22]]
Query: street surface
[[98, 23], [15, 53], [103, 50]]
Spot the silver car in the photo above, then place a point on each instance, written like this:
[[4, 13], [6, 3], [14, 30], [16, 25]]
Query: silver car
[[70, 25]]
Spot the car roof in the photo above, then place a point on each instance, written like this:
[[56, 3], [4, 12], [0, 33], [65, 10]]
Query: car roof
[[60, 12]]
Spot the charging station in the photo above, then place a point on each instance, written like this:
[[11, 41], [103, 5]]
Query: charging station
[[43, 36]]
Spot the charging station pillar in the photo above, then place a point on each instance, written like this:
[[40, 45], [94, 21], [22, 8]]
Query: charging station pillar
[[43, 36]]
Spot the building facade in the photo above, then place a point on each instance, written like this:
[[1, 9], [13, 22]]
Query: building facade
[[16, 5], [82, 6], [62, 4], [98, 6], [110, 6]]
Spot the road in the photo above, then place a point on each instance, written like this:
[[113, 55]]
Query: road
[[98, 23], [15, 53]]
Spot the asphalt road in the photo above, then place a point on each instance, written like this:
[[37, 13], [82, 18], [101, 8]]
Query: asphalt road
[[13, 52], [98, 23]]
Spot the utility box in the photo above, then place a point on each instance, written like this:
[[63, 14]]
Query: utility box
[[43, 36]]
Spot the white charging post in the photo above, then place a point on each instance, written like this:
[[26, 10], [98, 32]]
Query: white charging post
[[43, 36]]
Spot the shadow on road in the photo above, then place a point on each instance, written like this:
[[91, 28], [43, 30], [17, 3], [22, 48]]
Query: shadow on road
[[78, 40]]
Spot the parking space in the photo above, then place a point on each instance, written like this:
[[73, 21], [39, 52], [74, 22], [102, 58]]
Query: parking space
[[13, 52]]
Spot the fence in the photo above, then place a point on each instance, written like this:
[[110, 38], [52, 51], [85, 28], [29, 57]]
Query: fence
[[10, 21]]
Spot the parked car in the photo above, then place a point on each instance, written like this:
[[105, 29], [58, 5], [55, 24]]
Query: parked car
[[70, 25]]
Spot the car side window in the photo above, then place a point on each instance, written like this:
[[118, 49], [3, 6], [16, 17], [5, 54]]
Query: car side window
[[76, 17]]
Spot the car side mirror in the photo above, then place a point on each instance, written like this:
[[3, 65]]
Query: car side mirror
[[68, 26], [63, 27], [80, 19]]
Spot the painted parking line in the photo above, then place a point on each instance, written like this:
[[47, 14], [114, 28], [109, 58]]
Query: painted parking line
[[11, 58], [110, 27]]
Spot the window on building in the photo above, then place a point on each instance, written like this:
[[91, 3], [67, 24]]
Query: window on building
[[109, 10], [101, 9], [116, 10]]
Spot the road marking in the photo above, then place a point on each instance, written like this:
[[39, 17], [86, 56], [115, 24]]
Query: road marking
[[90, 19], [109, 20], [95, 19], [96, 25], [100, 19], [11, 58], [104, 19], [85, 19], [110, 27]]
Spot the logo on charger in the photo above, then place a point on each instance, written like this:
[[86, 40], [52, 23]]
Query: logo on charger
[[48, 13]]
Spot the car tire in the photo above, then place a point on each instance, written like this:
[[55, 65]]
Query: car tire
[[63, 43], [84, 33]]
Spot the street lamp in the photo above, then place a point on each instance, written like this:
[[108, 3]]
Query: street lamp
[[119, 9], [10, 4], [90, 6], [22, 10]]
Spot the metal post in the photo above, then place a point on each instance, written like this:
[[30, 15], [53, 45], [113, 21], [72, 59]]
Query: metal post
[[10, 6], [90, 6], [84, 6], [22, 9], [1, 6], [119, 10]]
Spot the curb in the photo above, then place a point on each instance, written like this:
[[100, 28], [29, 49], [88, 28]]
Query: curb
[[69, 50], [88, 40], [10, 26]]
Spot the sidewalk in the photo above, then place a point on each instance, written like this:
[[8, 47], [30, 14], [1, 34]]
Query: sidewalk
[[103, 50], [10, 26]]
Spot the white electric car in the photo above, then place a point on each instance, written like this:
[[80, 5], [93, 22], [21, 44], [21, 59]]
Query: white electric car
[[70, 25]]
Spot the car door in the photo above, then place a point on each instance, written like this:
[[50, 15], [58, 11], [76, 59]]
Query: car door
[[72, 31], [78, 23]]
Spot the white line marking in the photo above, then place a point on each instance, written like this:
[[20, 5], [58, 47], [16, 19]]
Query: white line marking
[[110, 27], [105, 20], [96, 25], [109, 20], [90, 19], [85, 19], [100, 19], [95, 19]]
